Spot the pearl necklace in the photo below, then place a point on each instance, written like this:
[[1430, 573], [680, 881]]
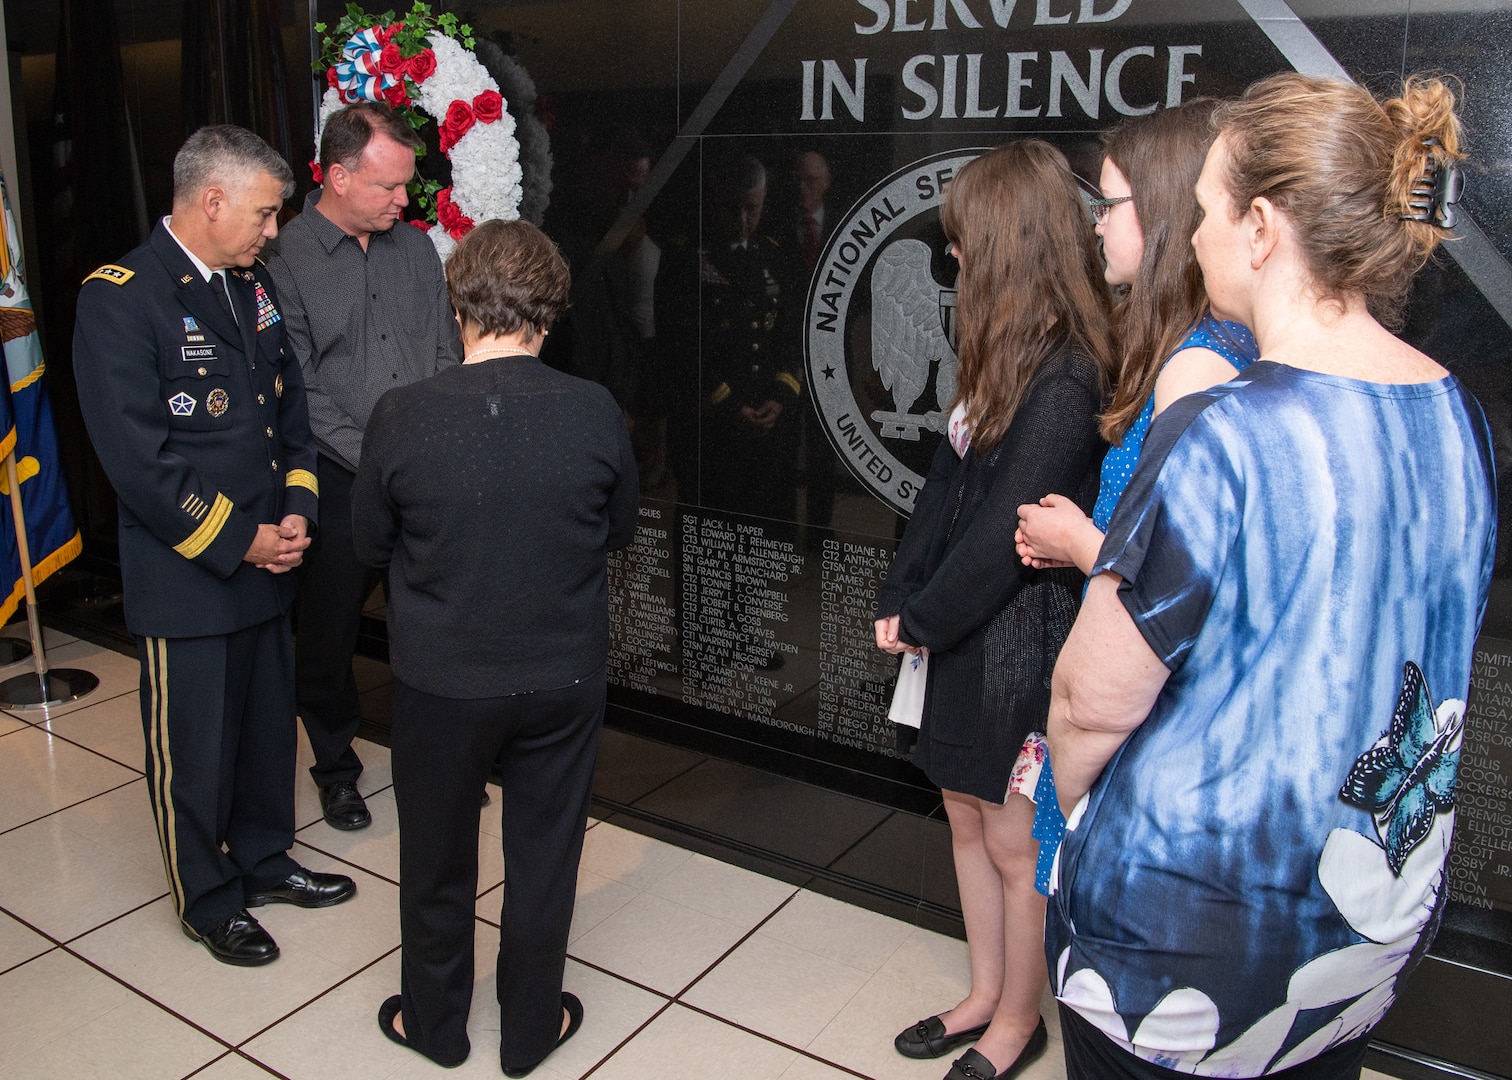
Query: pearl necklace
[[493, 354]]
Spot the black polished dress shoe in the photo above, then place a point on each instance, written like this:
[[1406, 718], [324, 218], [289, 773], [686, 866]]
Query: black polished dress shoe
[[305, 888], [927, 1039], [574, 1009], [342, 805], [390, 1009], [974, 1066], [240, 940]]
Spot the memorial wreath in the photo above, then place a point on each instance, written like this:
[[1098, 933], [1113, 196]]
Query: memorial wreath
[[423, 66]]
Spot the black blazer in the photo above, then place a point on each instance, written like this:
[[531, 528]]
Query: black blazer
[[202, 429]]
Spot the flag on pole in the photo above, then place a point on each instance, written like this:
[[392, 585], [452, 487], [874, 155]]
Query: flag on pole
[[26, 429]]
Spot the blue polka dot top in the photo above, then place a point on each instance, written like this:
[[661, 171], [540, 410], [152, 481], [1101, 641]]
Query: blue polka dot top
[[1230, 340]]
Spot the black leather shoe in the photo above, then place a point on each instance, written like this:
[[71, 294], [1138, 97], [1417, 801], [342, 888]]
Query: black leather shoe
[[305, 888], [973, 1066], [927, 1039], [240, 940], [342, 805], [574, 1009]]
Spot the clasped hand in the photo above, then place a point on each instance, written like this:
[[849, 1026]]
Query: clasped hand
[[887, 637], [1048, 532], [279, 548]]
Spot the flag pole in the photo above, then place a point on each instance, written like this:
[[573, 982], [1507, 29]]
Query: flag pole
[[57, 686]]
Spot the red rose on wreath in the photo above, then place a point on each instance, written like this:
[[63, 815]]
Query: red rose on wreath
[[386, 32], [459, 121], [421, 66], [423, 226], [389, 61], [331, 78], [488, 106], [315, 172], [450, 216], [397, 96]]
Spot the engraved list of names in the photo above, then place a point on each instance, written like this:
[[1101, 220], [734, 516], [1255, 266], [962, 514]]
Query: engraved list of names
[[1480, 862], [855, 677], [735, 610]]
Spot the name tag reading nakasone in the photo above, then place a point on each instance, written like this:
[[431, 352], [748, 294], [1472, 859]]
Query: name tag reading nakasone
[[194, 354]]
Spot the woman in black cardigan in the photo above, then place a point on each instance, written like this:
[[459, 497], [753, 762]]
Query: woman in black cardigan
[[1035, 361], [493, 492]]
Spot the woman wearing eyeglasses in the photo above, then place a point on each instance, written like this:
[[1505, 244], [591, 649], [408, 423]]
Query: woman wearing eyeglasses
[[1171, 343], [1035, 360]]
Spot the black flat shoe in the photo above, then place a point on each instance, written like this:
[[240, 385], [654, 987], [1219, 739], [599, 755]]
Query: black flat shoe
[[343, 807], [574, 1009], [973, 1066], [927, 1039], [390, 1009], [240, 940], [306, 889]]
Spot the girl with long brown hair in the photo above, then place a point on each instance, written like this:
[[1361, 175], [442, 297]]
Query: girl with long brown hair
[[1035, 361], [1170, 343]]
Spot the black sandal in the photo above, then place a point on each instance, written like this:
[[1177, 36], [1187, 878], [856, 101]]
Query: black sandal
[[574, 1009], [387, 1012]]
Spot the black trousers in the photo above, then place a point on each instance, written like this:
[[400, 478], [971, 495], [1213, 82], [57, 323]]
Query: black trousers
[[545, 744], [332, 588], [218, 715], [1091, 1055]]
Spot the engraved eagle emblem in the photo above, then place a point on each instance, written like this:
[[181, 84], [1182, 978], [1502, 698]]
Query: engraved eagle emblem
[[913, 331]]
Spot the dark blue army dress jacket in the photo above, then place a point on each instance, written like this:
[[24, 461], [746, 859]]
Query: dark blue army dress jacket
[[202, 428]]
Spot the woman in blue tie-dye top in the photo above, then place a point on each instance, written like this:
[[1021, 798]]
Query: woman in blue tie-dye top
[[1256, 720]]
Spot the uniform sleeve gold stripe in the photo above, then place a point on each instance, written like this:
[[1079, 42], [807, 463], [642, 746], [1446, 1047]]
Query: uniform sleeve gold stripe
[[209, 529], [302, 478], [720, 394], [791, 383]]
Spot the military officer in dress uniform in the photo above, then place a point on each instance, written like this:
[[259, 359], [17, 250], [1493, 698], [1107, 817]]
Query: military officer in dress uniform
[[750, 365], [197, 412]]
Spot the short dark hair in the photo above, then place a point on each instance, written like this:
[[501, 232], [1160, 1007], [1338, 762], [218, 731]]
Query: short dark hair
[[505, 275], [349, 130], [227, 155]]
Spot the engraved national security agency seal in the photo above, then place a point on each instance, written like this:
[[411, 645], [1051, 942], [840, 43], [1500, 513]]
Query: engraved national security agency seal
[[879, 330]]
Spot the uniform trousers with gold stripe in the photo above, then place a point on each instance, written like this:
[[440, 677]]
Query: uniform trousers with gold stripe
[[218, 713]]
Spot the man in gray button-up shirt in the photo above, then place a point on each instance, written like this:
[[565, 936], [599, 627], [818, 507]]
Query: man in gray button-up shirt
[[365, 306]]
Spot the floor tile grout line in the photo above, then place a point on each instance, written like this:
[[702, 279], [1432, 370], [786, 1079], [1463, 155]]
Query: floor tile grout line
[[628, 1039], [768, 917], [73, 805], [613, 974], [334, 986], [674, 999], [237, 1054], [113, 919], [345, 861], [141, 993], [773, 1039]]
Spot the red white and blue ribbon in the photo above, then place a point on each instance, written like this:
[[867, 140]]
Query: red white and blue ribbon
[[357, 76]]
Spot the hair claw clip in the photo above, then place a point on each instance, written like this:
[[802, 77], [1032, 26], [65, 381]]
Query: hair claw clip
[[1434, 195]]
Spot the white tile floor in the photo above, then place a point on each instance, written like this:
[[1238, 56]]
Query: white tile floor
[[687, 967]]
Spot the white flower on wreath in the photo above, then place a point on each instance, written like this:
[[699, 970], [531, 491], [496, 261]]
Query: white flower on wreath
[[485, 161]]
